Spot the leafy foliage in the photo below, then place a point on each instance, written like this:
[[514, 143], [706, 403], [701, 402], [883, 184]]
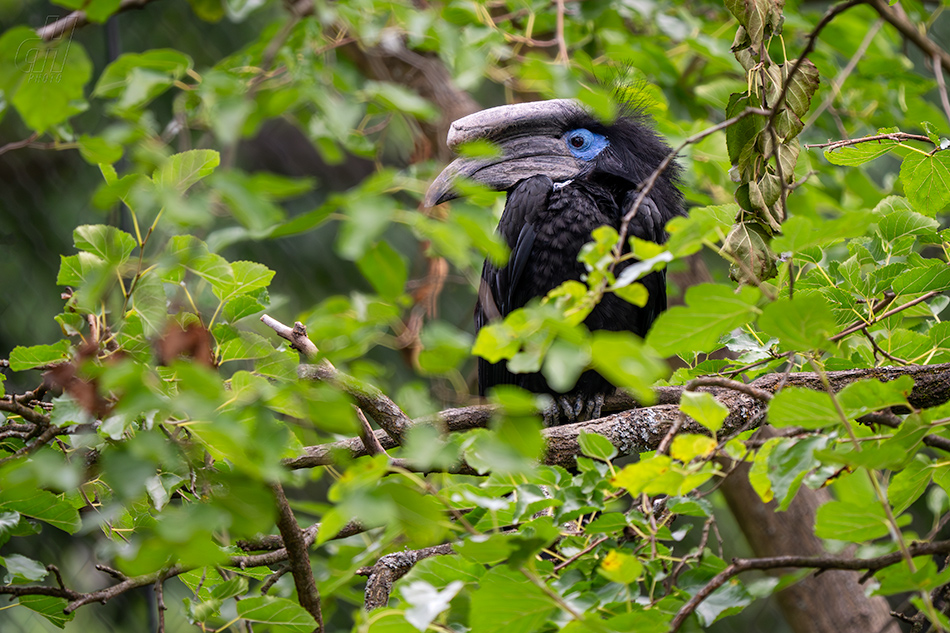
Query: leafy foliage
[[175, 417]]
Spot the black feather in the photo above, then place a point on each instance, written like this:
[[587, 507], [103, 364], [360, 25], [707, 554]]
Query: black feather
[[545, 227]]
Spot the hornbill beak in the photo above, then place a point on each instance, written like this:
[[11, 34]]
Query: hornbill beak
[[528, 136]]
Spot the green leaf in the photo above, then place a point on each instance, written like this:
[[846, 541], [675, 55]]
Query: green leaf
[[278, 612], [801, 324], [248, 277], [495, 611], [635, 293], [23, 358], [865, 396], [850, 522], [704, 408], [385, 268], [899, 578], [800, 233], [902, 222], [49, 607], [106, 242], [747, 248], [399, 99], [711, 310], [41, 505], [486, 550], [687, 446], [619, 566], [137, 78], [20, 568], [704, 224], [181, 171], [623, 359], [934, 275], [242, 306], [860, 153], [8, 521], [659, 474], [926, 180], [149, 302], [96, 150], [727, 600], [796, 406], [789, 462], [49, 79], [907, 485], [245, 346], [366, 220], [596, 446]]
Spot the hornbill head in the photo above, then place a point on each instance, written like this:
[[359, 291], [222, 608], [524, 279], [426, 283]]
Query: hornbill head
[[557, 138]]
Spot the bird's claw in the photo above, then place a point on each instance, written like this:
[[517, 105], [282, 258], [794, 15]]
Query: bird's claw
[[568, 409]]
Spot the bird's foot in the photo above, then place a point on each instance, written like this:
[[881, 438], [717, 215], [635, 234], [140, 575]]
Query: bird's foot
[[568, 409]]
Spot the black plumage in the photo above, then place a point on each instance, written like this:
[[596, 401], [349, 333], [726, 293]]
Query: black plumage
[[566, 174]]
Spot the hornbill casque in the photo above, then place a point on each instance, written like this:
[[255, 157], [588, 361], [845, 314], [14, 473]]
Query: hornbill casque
[[565, 173]]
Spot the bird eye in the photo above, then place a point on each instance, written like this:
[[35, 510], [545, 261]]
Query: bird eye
[[585, 144]]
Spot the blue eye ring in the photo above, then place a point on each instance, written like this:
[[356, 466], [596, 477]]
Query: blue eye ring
[[584, 144], [579, 141]]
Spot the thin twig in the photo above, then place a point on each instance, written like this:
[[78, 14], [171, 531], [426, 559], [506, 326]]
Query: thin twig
[[838, 81], [897, 137], [910, 31], [647, 185], [583, 552], [938, 73], [297, 557], [881, 317], [879, 350], [297, 335], [561, 41], [77, 19], [740, 565], [160, 604], [725, 383], [18, 144], [370, 441], [386, 412]]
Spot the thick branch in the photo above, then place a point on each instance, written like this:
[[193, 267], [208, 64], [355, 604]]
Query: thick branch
[[643, 429]]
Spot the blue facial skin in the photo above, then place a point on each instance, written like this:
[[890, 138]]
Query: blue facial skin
[[584, 144]]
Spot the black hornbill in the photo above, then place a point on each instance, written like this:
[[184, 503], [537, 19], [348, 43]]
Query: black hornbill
[[566, 173]]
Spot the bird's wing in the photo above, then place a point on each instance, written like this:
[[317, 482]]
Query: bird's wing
[[649, 222], [525, 202], [497, 290]]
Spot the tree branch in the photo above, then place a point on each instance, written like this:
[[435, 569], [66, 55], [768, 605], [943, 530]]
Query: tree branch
[[638, 430], [897, 137], [77, 19], [390, 568], [740, 565], [368, 398], [910, 31], [298, 557]]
